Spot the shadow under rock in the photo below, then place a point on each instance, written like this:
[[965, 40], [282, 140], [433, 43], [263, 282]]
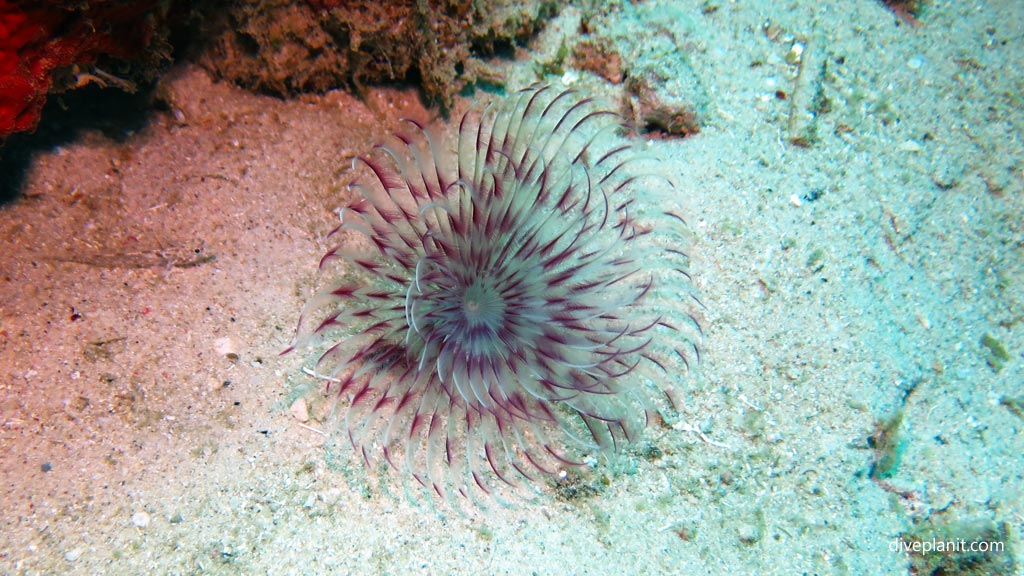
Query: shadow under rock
[[114, 113]]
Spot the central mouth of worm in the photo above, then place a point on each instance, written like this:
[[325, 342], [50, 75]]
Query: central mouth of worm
[[483, 306]]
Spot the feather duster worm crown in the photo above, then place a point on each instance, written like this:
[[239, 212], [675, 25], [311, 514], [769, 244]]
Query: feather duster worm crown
[[501, 309]]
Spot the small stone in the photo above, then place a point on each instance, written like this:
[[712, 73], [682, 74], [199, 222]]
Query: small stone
[[226, 347], [73, 554], [909, 146], [140, 519], [299, 410], [749, 534]]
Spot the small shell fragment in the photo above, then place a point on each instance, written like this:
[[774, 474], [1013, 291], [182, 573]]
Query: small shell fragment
[[910, 146], [795, 54]]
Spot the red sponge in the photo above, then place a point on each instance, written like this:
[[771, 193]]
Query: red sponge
[[40, 37]]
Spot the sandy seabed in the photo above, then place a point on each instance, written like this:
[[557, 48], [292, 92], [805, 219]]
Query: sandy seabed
[[148, 423]]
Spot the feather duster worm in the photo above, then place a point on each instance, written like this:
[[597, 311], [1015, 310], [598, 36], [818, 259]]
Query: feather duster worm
[[501, 308]]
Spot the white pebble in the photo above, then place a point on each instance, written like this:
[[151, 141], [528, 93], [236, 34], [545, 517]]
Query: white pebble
[[73, 554], [225, 347], [140, 519]]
